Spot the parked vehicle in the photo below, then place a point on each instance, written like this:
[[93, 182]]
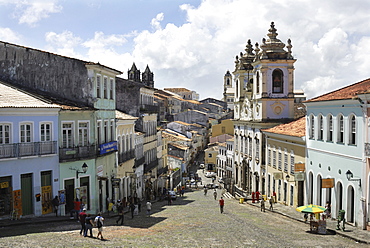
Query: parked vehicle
[[210, 174]]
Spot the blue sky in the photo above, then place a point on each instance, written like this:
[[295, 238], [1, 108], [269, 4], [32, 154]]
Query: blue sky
[[192, 43]]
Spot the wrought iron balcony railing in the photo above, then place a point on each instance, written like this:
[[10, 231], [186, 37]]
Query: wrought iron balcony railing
[[77, 153], [125, 156], [17, 150]]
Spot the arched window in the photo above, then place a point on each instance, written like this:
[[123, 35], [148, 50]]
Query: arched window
[[228, 81], [312, 127], [237, 88], [330, 128], [277, 81], [340, 138], [321, 128], [352, 130], [258, 83]]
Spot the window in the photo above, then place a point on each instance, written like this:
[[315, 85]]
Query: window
[[4, 133], [45, 132], [352, 130], [285, 160], [257, 148], [98, 86], [274, 158], [67, 134], [340, 129], [292, 162], [279, 159], [105, 131], [223, 130], [111, 88], [312, 127], [83, 133], [98, 127], [210, 155], [105, 88], [330, 128], [321, 127], [250, 146], [258, 83], [26, 132], [277, 81], [269, 155], [112, 137]]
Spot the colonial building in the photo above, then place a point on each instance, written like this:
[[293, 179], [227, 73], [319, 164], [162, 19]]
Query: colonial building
[[264, 97], [286, 148], [337, 166]]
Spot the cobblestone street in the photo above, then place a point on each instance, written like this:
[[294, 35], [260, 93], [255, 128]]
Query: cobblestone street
[[191, 221]]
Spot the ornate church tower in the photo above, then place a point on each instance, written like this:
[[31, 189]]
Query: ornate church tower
[[229, 91], [265, 80], [134, 73], [148, 77]]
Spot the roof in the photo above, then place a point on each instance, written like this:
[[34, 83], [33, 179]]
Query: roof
[[181, 147], [177, 90], [85, 62], [123, 116], [347, 92], [11, 97], [295, 128]]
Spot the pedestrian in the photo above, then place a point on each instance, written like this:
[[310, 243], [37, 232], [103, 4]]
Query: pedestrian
[[89, 223], [271, 200], [215, 194], [328, 209], [169, 199], [55, 203], [148, 208], [205, 190], [81, 218], [99, 221], [132, 209], [120, 213], [76, 209], [221, 203], [263, 208]]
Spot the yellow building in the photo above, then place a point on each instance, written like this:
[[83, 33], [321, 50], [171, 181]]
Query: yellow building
[[225, 127], [285, 156], [210, 157]]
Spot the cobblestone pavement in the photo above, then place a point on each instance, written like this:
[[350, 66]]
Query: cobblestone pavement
[[191, 221]]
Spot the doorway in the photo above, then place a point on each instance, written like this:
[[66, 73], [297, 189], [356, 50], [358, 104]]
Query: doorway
[[69, 186]]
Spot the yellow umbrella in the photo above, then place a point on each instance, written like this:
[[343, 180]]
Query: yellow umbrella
[[311, 209]]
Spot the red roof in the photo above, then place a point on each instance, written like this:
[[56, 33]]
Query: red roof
[[348, 92], [295, 128]]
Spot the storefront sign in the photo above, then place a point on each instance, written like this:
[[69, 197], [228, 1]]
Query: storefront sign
[[99, 171], [278, 175], [46, 199], [327, 183], [299, 176], [299, 167], [108, 147]]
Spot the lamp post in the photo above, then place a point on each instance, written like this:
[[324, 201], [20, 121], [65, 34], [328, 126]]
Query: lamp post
[[349, 175], [84, 169]]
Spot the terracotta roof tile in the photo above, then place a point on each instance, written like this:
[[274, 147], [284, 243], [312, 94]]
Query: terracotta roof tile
[[295, 128], [347, 92]]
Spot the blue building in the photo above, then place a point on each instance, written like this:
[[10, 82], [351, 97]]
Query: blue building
[[28, 153], [336, 164]]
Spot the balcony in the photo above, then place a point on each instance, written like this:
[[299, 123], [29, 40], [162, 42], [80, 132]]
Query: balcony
[[162, 171], [125, 156], [146, 108], [18, 150], [139, 161], [77, 153], [151, 166], [367, 149]]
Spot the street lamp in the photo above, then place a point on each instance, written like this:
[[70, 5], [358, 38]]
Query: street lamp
[[349, 175], [84, 169]]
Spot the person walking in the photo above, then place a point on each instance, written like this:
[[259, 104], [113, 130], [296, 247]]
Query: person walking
[[81, 218], [222, 204], [215, 194], [205, 190], [120, 213], [132, 209], [89, 223], [99, 221], [55, 203], [271, 200], [263, 205], [148, 208]]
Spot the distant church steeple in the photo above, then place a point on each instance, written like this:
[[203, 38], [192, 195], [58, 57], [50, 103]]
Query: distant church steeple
[[148, 77], [134, 73]]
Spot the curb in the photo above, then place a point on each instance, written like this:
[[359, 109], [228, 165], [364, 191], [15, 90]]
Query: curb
[[331, 230]]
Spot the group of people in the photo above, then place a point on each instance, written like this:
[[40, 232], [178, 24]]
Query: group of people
[[88, 222]]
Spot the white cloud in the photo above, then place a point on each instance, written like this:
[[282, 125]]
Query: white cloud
[[63, 43], [9, 35], [32, 11]]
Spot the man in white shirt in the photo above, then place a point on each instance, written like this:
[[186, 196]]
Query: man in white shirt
[[148, 208]]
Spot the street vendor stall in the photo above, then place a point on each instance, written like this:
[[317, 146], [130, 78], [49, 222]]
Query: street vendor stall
[[318, 225]]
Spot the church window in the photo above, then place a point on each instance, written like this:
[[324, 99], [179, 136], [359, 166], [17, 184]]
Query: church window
[[228, 81], [258, 83], [277, 81]]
